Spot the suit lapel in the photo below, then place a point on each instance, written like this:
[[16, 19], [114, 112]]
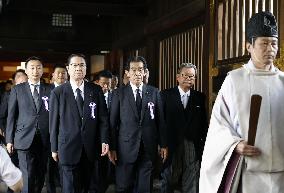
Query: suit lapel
[[145, 99], [42, 91], [88, 98], [190, 106], [178, 98], [109, 99], [131, 99], [29, 93], [70, 98]]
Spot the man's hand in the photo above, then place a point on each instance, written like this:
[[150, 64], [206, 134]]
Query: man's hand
[[112, 157], [10, 148], [55, 156], [18, 186], [2, 132], [105, 149], [164, 154], [247, 150]]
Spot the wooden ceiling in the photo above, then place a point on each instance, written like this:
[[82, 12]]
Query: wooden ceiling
[[26, 25]]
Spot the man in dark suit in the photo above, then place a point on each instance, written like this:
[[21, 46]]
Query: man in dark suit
[[104, 80], [27, 126], [77, 114], [103, 169], [186, 120], [137, 124], [18, 77], [59, 76]]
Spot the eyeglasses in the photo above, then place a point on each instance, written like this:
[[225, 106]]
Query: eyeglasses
[[81, 65], [192, 76], [134, 70]]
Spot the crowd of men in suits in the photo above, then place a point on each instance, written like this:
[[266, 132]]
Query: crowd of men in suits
[[85, 136]]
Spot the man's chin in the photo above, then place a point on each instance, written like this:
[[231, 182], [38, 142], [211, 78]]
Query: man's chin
[[137, 82]]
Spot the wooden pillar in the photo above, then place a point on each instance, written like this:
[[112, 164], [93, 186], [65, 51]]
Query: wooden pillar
[[280, 61], [209, 69], [152, 53]]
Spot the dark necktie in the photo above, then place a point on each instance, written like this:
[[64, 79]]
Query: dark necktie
[[138, 102], [80, 102], [36, 96]]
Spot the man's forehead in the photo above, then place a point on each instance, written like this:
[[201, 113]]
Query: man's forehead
[[136, 64], [20, 74], [268, 39], [187, 70], [60, 69], [104, 79], [77, 59], [34, 63]]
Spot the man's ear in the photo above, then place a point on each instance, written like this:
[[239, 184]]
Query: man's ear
[[248, 47], [177, 76], [127, 73], [67, 68]]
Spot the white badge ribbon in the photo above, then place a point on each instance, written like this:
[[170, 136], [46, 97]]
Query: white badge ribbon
[[45, 99], [151, 107], [93, 106]]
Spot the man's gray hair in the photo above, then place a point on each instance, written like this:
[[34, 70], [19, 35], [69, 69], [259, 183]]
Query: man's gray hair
[[187, 65]]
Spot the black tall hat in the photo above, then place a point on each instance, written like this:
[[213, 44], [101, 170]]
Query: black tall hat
[[262, 24]]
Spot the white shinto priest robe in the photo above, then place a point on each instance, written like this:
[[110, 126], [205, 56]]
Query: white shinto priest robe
[[229, 125]]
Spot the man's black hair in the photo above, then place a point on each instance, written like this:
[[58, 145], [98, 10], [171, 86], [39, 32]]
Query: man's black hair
[[32, 58], [105, 74], [135, 59], [75, 55]]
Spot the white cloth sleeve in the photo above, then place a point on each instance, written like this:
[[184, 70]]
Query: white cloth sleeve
[[9, 173]]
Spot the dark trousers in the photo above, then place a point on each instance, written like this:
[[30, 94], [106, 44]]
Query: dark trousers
[[135, 177], [181, 171], [32, 163], [103, 173], [53, 175], [76, 178]]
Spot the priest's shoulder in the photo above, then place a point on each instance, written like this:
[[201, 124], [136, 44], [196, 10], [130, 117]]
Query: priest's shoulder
[[238, 71], [281, 73]]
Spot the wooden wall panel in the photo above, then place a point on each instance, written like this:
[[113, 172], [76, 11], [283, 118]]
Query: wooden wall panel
[[185, 47]]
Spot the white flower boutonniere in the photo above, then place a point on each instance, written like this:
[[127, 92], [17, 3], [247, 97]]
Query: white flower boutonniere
[[45, 99], [151, 108], [92, 105]]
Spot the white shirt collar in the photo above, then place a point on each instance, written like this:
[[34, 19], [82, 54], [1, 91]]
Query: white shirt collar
[[134, 87], [74, 87], [32, 84], [181, 92]]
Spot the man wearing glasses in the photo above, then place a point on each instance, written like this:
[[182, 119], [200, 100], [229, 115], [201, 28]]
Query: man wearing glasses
[[186, 121], [77, 114]]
